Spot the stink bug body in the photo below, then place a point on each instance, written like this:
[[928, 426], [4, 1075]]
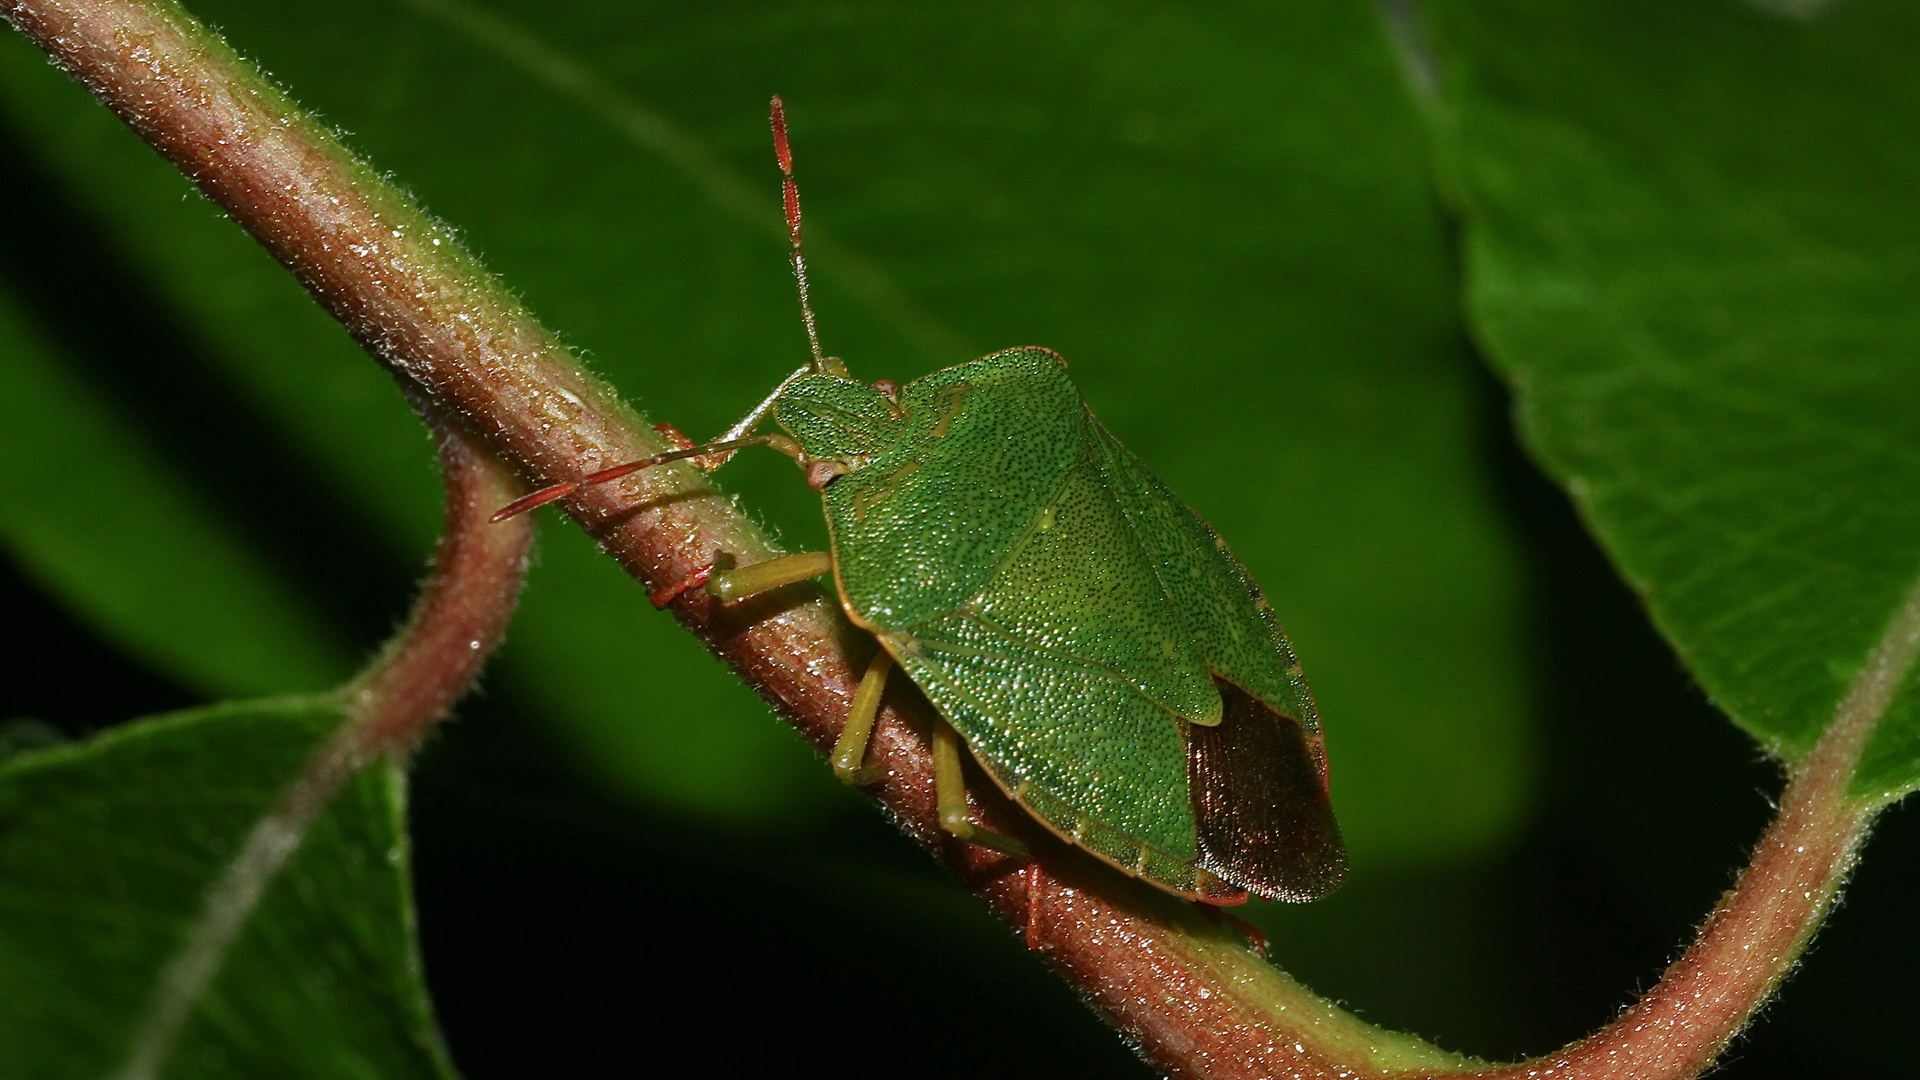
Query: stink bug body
[[1111, 665]]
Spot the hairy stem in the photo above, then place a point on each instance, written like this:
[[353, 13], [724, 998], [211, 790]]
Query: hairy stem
[[1762, 925], [1176, 983], [462, 612]]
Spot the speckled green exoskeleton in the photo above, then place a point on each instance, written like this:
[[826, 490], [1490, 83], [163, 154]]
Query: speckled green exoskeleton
[[1111, 665]]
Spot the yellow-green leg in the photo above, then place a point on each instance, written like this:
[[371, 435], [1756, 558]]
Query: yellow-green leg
[[745, 581], [851, 748], [950, 790]]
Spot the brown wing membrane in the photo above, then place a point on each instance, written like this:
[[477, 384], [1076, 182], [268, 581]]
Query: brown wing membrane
[[1259, 794]]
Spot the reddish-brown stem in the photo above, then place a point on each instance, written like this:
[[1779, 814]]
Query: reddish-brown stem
[[459, 617], [402, 285], [1748, 944], [1760, 927], [463, 610], [1195, 1001]]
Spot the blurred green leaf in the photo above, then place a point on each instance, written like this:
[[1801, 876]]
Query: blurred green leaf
[[107, 849], [1221, 216], [91, 511], [1693, 248]]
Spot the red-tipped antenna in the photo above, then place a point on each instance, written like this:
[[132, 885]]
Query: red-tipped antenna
[[790, 193]]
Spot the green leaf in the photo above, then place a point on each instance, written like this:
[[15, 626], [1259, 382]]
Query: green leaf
[[94, 513], [1691, 248], [1221, 216], [107, 850]]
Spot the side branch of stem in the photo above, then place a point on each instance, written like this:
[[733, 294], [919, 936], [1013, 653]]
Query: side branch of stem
[[462, 612], [460, 616], [1763, 924]]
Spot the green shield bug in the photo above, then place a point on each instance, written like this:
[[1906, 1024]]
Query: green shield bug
[[1110, 664]]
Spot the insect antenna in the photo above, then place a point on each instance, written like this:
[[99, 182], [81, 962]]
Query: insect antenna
[[738, 436], [560, 491], [790, 195]]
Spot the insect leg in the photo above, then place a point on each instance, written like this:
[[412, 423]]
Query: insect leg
[[950, 790], [851, 748], [667, 594], [1036, 881], [1256, 938], [730, 585], [752, 420]]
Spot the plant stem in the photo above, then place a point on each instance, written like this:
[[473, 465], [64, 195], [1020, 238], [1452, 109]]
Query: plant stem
[[461, 615], [463, 609], [1762, 925], [1194, 1001]]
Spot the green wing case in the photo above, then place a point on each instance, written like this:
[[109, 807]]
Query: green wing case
[[1258, 781]]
